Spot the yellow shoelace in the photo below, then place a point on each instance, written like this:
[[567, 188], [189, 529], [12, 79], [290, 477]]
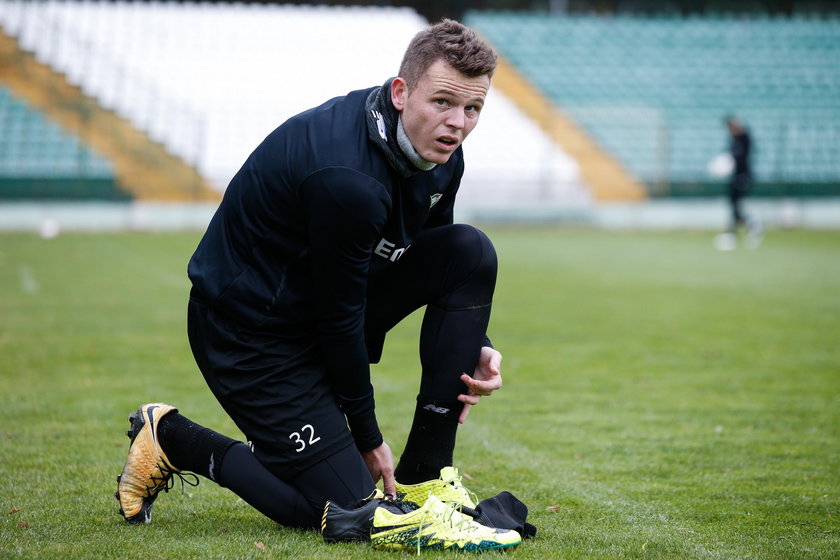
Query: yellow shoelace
[[461, 523], [455, 481]]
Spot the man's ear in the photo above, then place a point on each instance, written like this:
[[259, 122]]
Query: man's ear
[[399, 92]]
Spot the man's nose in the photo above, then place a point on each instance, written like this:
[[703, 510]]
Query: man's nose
[[456, 118]]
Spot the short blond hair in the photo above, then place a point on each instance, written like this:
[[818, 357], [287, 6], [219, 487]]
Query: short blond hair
[[450, 41]]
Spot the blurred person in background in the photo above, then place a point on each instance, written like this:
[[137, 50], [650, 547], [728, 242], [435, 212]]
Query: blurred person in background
[[740, 183]]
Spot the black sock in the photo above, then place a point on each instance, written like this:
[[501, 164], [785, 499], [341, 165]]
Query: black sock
[[191, 447], [431, 442]]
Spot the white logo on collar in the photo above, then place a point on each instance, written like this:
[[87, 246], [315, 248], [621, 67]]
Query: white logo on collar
[[435, 198], [380, 124]]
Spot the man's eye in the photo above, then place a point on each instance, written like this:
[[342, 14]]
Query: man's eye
[[440, 102]]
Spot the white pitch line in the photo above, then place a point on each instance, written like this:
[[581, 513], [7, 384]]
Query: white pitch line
[[28, 282]]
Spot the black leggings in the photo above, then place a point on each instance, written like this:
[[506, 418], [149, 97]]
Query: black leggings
[[738, 189], [299, 502], [451, 270]]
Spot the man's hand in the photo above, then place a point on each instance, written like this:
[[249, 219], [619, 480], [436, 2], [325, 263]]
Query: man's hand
[[486, 379], [380, 463]]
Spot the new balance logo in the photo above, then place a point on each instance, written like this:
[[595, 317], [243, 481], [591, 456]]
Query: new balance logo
[[437, 409], [380, 124]]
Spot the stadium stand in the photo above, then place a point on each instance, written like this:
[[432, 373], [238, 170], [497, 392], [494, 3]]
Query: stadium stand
[[39, 160], [653, 91], [143, 168], [209, 81]]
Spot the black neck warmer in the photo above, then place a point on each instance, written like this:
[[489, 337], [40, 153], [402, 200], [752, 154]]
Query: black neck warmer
[[386, 131]]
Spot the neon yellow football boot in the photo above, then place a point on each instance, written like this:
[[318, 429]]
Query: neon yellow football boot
[[447, 488], [436, 525], [397, 525], [147, 470]]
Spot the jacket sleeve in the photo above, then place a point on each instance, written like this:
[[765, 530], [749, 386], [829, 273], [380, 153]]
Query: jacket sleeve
[[345, 212]]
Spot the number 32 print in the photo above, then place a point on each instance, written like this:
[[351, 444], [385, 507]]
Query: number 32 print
[[302, 442]]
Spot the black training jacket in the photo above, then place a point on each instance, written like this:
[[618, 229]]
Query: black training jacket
[[312, 210]]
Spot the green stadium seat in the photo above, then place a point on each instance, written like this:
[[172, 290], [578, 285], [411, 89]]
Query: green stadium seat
[[778, 74], [38, 159]]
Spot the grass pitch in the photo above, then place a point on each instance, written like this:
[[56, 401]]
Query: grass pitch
[[661, 399]]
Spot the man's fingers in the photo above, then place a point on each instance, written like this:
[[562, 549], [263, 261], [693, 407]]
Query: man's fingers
[[388, 484], [489, 379], [480, 387], [496, 365], [494, 360], [375, 474], [464, 413], [487, 387], [469, 399]]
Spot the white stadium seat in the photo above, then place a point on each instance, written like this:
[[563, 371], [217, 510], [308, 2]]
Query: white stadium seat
[[211, 80]]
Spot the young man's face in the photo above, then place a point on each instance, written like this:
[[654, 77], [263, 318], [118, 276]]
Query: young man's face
[[441, 110]]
